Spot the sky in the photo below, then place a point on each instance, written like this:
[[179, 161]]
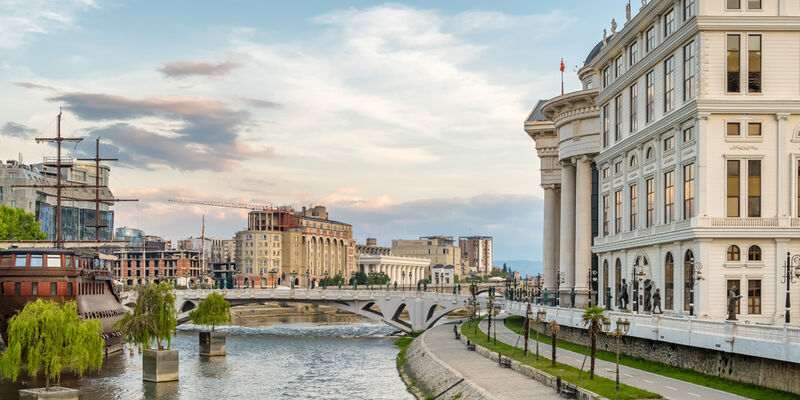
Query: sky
[[403, 119]]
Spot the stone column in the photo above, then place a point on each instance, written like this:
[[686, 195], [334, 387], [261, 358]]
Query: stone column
[[784, 184], [550, 236], [567, 230], [583, 228]]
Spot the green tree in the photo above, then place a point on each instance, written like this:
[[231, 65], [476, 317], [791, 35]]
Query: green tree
[[593, 316], [360, 277], [154, 316], [505, 269], [16, 224], [213, 310], [47, 337], [332, 281]]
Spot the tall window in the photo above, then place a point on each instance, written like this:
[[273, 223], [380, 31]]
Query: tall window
[[634, 107], [650, 94], [734, 4], [688, 9], [669, 196], [651, 202], [635, 207], [633, 53], [754, 64], [669, 84], [618, 119], [754, 296], [753, 188], [688, 191], [669, 143], [605, 215], [669, 22], [734, 60], [669, 281], [733, 188], [606, 76], [606, 124], [618, 67], [688, 72], [618, 211], [651, 39]]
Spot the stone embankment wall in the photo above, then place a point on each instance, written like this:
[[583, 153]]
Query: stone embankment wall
[[433, 376], [765, 372]]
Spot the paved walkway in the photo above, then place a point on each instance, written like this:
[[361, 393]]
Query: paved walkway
[[494, 381], [668, 387]]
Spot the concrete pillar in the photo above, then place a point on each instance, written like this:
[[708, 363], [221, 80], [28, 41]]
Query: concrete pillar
[[550, 236], [583, 228], [783, 184], [567, 230]]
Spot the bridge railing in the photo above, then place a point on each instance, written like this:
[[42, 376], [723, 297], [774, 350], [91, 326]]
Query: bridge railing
[[778, 342]]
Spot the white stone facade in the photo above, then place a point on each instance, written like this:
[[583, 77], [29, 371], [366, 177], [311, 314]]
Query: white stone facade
[[403, 270]]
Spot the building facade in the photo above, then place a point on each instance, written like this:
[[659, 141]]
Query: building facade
[[181, 267], [695, 110], [437, 249], [374, 259], [476, 253]]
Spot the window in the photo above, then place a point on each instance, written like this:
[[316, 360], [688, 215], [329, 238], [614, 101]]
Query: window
[[53, 289], [688, 270], [669, 281], [754, 296], [733, 188], [618, 167], [605, 215], [669, 143], [650, 96], [634, 107], [669, 22], [651, 39], [733, 284], [618, 211], [669, 84], [634, 161], [754, 64], [633, 53], [688, 9], [651, 202], [634, 207], [21, 260], [754, 253], [605, 173], [618, 67], [618, 119], [35, 288], [36, 260], [649, 154], [733, 4], [54, 261], [669, 196], [732, 253], [606, 125], [17, 288], [753, 188], [606, 77], [754, 129], [69, 288], [688, 191], [753, 4], [689, 84], [688, 134], [732, 129], [734, 69]]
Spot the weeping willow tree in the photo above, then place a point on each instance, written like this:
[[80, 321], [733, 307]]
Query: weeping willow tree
[[46, 337], [154, 316], [213, 310]]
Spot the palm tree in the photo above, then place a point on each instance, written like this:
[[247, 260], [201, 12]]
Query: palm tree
[[593, 316], [553, 327]]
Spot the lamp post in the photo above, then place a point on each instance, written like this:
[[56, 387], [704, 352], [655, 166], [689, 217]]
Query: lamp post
[[619, 331], [559, 281], [592, 282], [638, 276], [308, 278], [272, 274], [496, 310], [793, 263], [403, 281], [695, 275], [490, 308], [325, 279], [294, 276]]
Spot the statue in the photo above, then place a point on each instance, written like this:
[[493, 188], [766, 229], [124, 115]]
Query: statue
[[424, 286], [544, 296], [657, 301], [572, 297], [648, 286], [608, 298], [395, 286], [644, 3], [418, 285], [623, 297], [605, 39], [732, 299], [613, 26], [628, 12]]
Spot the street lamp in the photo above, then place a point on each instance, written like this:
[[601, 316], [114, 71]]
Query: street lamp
[[496, 310], [403, 275], [794, 263], [325, 279], [272, 273], [592, 283], [561, 279], [308, 278], [619, 331], [294, 276], [695, 275]]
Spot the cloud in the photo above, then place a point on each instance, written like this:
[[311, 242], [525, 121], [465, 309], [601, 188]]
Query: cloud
[[13, 129], [190, 133], [30, 85], [22, 20], [260, 103], [179, 69]]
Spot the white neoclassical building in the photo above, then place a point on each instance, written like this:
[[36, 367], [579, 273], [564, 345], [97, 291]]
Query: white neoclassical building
[[403, 270], [680, 154]]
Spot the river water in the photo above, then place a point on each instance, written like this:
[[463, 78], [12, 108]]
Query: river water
[[287, 361]]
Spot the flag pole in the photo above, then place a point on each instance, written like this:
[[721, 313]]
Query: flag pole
[[562, 76]]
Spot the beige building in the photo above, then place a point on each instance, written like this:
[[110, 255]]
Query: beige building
[[437, 249], [684, 147], [477, 253], [222, 250]]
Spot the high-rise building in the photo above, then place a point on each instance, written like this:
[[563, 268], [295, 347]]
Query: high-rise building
[[476, 253]]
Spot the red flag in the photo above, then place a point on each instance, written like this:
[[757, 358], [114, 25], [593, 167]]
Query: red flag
[[562, 65]]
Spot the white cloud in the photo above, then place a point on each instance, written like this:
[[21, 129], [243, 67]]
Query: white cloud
[[22, 20]]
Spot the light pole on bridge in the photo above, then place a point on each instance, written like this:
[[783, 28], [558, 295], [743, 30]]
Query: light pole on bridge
[[793, 263]]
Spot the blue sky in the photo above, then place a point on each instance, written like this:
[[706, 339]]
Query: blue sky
[[405, 119]]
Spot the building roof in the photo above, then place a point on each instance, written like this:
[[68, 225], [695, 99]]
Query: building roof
[[536, 114], [596, 50]]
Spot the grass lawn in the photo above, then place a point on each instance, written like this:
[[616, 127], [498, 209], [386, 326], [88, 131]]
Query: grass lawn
[[402, 343], [742, 389], [599, 385]]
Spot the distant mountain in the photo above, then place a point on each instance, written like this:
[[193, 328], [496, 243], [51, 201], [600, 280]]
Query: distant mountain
[[523, 266]]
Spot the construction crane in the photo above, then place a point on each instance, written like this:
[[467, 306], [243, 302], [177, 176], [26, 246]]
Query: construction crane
[[228, 204]]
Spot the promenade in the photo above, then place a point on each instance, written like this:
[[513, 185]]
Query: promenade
[[668, 387]]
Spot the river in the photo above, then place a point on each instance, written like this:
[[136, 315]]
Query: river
[[287, 361]]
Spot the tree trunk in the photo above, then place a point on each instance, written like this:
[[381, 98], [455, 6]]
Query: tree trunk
[[594, 350], [46, 381], [553, 346], [158, 340]]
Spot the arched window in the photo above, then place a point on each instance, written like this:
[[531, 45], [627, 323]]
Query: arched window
[[605, 281], [669, 281], [754, 253], [688, 262], [733, 253], [649, 154], [634, 161], [617, 281]]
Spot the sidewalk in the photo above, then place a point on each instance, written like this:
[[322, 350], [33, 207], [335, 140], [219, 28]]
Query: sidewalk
[[668, 387], [494, 381]]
